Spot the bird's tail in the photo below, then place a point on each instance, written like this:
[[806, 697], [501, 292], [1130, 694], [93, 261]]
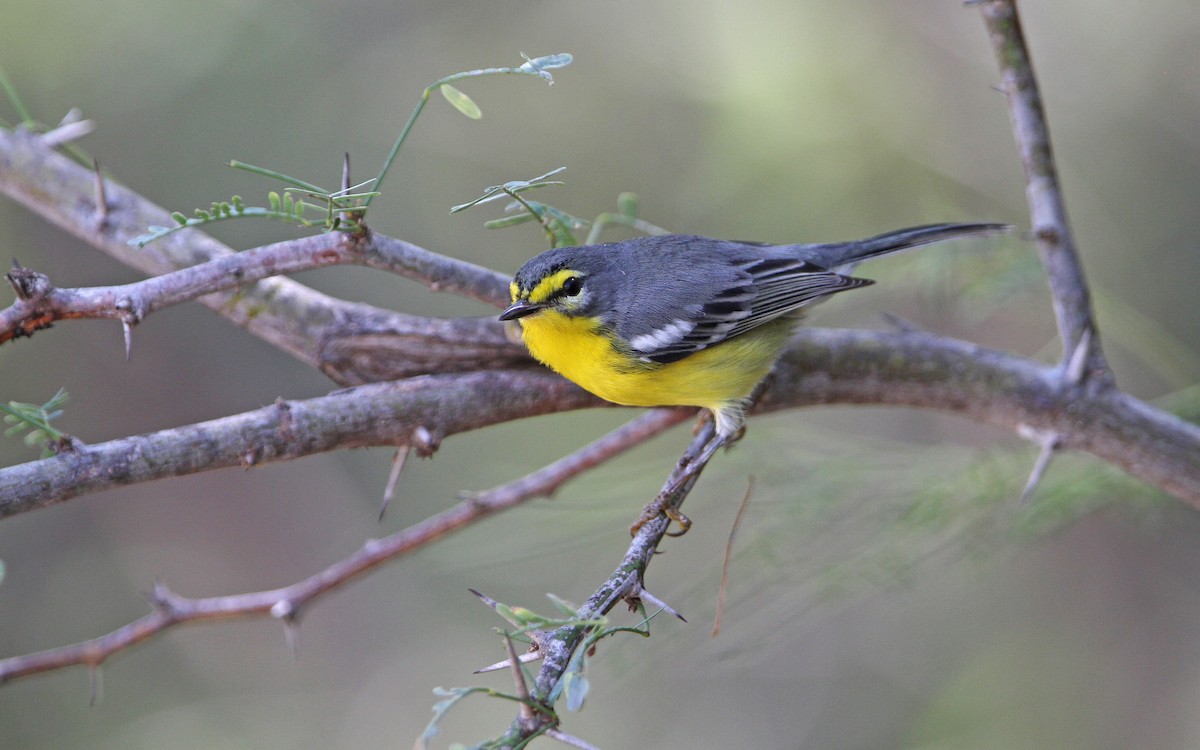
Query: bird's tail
[[842, 256]]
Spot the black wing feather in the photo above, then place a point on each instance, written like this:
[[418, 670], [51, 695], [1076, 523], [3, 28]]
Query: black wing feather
[[754, 290]]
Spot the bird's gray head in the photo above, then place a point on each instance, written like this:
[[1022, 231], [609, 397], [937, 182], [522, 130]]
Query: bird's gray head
[[566, 279]]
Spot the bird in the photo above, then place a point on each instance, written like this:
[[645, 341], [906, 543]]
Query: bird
[[684, 320]]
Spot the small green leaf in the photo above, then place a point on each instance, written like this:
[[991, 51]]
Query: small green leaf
[[461, 102], [563, 606], [576, 690], [273, 197], [276, 176], [452, 696], [628, 204], [494, 192], [508, 221], [179, 217], [522, 617], [36, 419]]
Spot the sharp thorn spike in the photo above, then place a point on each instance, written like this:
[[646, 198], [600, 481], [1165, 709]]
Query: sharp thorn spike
[[95, 684], [398, 462]]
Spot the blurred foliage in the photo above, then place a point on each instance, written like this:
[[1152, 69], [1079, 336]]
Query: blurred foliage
[[853, 619]]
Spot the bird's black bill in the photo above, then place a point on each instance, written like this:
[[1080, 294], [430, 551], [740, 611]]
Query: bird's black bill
[[520, 309]]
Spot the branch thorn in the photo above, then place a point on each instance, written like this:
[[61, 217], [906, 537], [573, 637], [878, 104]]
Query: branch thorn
[[291, 636], [1077, 364], [1050, 442], [160, 597], [571, 740], [287, 613], [524, 658], [95, 684], [72, 128], [398, 462], [645, 596], [127, 327]]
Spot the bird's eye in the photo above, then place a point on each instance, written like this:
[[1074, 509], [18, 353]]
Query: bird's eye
[[572, 286]]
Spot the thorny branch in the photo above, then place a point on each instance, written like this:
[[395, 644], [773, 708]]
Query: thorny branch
[[1047, 209], [821, 366], [1073, 406], [353, 343], [170, 609], [1072, 309]]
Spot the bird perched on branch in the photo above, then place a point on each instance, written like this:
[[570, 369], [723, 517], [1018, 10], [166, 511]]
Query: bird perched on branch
[[679, 320]]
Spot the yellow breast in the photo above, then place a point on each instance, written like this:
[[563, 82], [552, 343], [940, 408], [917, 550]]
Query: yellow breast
[[719, 377]]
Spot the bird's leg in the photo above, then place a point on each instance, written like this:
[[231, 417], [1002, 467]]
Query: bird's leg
[[685, 474]]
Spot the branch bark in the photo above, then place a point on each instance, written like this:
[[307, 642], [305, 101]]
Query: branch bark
[[418, 412], [1047, 208], [464, 374], [821, 366], [321, 331], [170, 609]]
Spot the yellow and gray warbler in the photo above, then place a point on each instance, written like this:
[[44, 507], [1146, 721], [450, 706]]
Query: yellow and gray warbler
[[679, 320]]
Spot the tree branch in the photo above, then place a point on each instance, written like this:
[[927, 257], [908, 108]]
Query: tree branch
[[351, 343], [170, 609], [1083, 410], [1078, 406], [322, 331], [822, 366], [920, 369], [433, 406], [1047, 209]]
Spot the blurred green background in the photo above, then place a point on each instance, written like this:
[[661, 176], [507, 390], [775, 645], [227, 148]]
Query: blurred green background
[[887, 589]]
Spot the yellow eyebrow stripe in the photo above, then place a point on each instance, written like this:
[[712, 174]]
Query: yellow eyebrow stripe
[[549, 286]]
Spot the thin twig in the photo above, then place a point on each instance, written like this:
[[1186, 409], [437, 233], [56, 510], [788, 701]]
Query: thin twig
[[1047, 210], [171, 609], [546, 480], [134, 301], [305, 323], [733, 530], [623, 584]]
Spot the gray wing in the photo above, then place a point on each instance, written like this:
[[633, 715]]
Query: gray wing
[[719, 290]]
